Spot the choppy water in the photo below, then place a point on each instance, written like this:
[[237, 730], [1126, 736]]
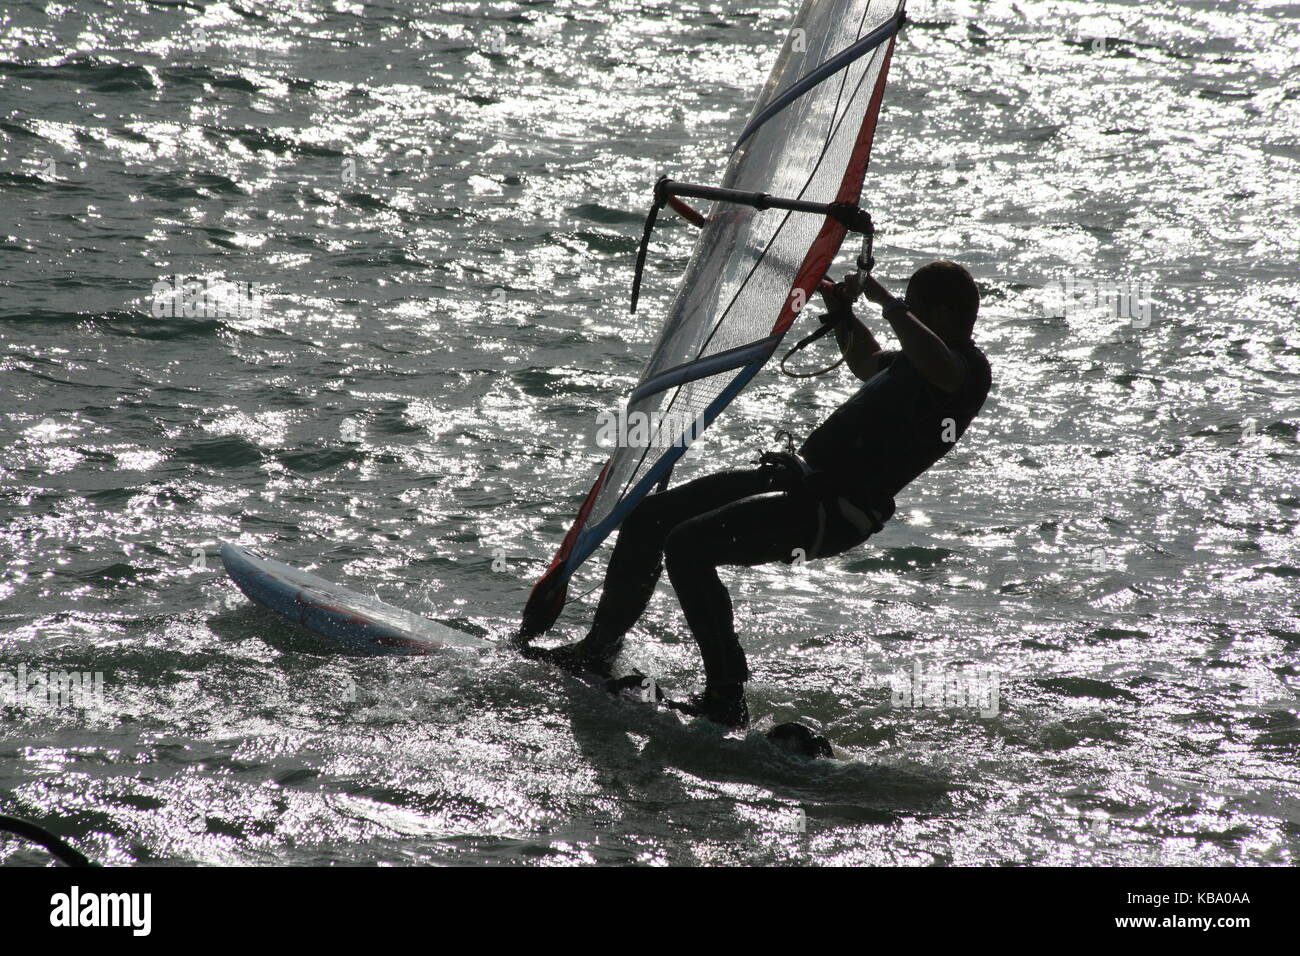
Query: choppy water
[[441, 202]]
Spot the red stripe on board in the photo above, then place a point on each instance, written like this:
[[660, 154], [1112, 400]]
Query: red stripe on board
[[828, 241]]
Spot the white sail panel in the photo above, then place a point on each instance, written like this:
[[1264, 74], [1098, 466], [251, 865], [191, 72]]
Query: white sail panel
[[752, 269]]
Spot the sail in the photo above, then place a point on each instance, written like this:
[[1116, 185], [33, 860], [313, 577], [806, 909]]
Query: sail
[[752, 270]]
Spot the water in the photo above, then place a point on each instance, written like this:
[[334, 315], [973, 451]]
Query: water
[[441, 203]]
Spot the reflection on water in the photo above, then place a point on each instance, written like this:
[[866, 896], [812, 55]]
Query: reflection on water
[[438, 208]]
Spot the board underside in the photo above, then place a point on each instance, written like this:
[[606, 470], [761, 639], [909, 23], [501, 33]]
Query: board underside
[[348, 619]]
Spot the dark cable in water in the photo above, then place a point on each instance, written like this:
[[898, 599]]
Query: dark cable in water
[[579, 597], [62, 852]]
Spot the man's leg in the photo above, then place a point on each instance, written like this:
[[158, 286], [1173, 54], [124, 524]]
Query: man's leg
[[754, 531], [637, 560]]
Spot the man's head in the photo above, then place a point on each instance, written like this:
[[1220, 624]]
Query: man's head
[[943, 296]]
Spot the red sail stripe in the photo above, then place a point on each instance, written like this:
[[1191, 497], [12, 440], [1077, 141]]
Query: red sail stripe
[[828, 241]]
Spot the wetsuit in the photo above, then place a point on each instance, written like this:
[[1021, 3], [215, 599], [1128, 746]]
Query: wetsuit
[[830, 497]]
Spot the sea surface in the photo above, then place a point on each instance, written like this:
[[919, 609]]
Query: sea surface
[[430, 212]]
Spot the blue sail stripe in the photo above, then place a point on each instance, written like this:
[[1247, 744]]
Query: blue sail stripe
[[590, 537], [828, 69], [703, 368]]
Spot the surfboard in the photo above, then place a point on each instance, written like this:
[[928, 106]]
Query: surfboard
[[361, 624], [347, 619]]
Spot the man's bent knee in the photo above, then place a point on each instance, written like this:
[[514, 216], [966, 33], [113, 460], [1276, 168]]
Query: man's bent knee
[[686, 547]]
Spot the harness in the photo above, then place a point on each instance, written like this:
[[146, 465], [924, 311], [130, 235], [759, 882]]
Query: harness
[[792, 474]]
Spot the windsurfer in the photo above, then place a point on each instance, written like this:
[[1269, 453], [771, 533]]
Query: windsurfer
[[828, 497]]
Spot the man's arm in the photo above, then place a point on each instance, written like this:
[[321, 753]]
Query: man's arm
[[938, 364], [861, 351]]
